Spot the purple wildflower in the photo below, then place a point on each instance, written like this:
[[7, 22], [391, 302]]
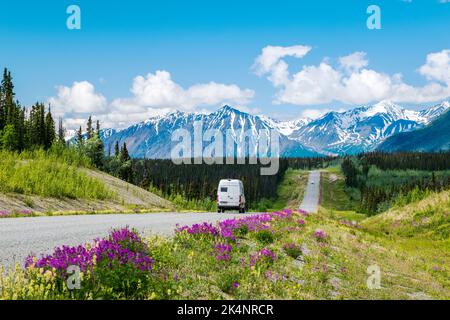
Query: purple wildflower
[[122, 247], [4, 213], [204, 228], [222, 251], [303, 213], [263, 255], [320, 234]]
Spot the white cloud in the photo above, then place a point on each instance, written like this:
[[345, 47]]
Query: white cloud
[[152, 95], [437, 66], [354, 61], [158, 90], [352, 82], [269, 61], [79, 98]]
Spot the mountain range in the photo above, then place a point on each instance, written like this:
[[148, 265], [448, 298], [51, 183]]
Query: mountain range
[[356, 130], [432, 138]]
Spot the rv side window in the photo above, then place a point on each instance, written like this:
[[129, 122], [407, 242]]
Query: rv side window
[[223, 189]]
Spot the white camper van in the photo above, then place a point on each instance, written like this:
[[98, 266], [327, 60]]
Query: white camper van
[[230, 195]]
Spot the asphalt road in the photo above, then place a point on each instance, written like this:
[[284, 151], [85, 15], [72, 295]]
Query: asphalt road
[[310, 201], [21, 236]]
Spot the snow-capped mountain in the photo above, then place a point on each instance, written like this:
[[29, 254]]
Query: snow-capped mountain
[[363, 128], [355, 130], [285, 127], [152, 137]]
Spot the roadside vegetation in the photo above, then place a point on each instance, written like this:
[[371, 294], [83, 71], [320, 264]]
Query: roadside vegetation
[[414, 233], [52, 173], [286, 254]]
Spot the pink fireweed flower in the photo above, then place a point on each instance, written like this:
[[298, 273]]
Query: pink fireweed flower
[[204, 228], [351, 224], [436, 268], [25, 212], [320, 234], [301, 222], [123, 247], [222, 251], [4, 213], [303, 213], [227, 229], [263, 255]]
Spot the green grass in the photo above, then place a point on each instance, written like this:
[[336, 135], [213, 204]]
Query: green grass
[[428, 218], [49, 174], [413, 238], [336, 200]]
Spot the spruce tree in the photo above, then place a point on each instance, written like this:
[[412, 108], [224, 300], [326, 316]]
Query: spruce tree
[[80, 138], [40, 125], [116, 149], [50, 133], [95, 149], [126, 170], [21, 129], [89, 129], [8, 98], [61, 132], [2, 108], [97, 129], [124, 155]]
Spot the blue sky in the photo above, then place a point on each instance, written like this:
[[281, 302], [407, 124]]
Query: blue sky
[[194, 43]]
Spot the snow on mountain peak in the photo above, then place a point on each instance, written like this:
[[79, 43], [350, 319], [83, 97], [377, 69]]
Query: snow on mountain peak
[[386, 107], [351, 131]]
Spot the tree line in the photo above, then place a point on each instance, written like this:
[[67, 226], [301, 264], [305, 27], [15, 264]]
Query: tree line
[[383, 178], [22, 128], [430, 161], [198, 182]]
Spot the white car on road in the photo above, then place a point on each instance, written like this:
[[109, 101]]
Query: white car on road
[[230, 195]]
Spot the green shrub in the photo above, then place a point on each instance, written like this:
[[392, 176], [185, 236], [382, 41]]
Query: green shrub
[[264, 237], [241, 231], [228, 281], [292, 250]]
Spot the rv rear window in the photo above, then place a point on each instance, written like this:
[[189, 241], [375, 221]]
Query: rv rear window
[[223, 189]]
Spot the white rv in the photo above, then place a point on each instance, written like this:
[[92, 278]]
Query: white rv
[[230, 195]]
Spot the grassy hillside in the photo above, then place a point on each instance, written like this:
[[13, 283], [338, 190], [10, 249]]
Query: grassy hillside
[[428, 218], [49, 175], [410, 243], [61, 181]]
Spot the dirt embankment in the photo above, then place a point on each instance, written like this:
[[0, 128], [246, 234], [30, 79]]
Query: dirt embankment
[[127, 197]]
